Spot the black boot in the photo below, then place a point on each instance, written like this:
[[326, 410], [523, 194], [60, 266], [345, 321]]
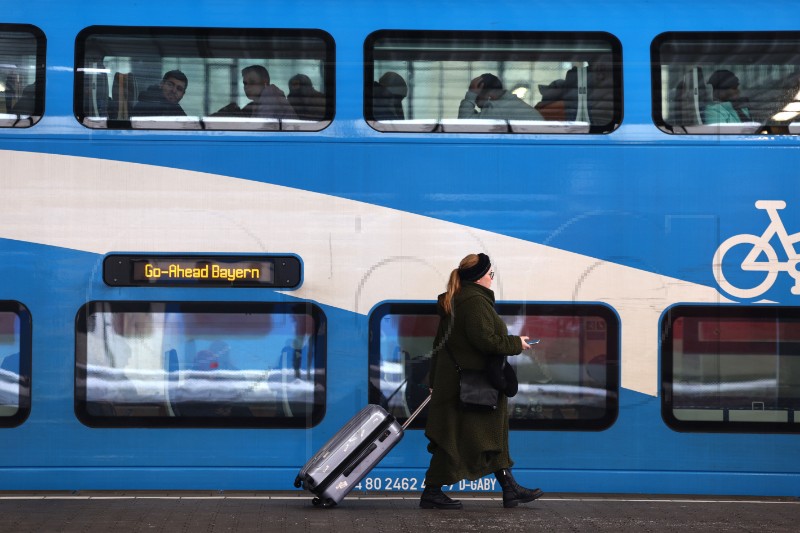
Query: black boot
[[434, 498], [514, 493]]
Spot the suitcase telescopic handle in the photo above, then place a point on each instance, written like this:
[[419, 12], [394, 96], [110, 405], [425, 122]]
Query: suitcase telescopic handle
[[417, 412]]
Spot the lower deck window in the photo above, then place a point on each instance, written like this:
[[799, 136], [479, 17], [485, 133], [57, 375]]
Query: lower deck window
[[174, 364], [15, 363], [568, 381], [731, 369]]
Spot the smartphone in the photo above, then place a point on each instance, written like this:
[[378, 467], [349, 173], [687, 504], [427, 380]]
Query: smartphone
[[533, 341]]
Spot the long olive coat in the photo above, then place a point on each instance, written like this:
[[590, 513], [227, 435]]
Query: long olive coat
[[467, 444]]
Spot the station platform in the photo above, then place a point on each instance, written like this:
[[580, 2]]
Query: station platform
[[386, 512]]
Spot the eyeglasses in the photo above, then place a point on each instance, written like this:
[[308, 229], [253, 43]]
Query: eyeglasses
[[491, 274]]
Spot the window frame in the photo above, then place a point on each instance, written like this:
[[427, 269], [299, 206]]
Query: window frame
[[40, 76], [571, 309], [25, 363], [208, 307], [745, 312], [557, 128], [206, 34]]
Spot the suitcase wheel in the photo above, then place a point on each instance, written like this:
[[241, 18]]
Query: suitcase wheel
[[298, 482], [327, 503]]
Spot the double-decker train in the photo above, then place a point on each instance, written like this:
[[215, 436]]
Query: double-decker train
[[224, 227]]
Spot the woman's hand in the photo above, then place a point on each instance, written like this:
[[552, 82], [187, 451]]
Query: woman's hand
[[524, 339]]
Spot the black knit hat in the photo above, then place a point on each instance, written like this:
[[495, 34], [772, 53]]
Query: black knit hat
[[476, 271]]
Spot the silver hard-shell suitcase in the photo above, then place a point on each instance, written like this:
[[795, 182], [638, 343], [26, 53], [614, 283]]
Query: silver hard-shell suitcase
[[351, 453]]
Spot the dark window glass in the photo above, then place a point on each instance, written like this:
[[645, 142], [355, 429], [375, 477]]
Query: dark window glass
[[570, 380], [429, 81], [733, 369], [178, 364], [22, 73], [204, 78], [15, 363], [726, 82]]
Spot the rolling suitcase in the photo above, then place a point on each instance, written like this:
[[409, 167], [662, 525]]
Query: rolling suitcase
[[351, 453]]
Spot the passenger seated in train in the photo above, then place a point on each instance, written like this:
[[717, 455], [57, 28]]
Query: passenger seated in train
[[552, 104], [387, 97], [267, 100], [163, 98], [727, 107], [12, 92], [493, 102], [307, 102], [27, 101]]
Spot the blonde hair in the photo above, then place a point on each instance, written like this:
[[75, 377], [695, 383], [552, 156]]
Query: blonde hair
[[454, 283]]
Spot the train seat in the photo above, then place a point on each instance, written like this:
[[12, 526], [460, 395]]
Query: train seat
[[124, 92]]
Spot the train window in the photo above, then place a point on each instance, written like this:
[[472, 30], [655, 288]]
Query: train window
[[204, 79], [726, 82], [15, 363], [200, 364], [22, 73], [493, 82], [734, 369], [570, 381]]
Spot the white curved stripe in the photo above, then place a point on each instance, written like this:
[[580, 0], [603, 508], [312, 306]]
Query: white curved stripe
[[355, 254]]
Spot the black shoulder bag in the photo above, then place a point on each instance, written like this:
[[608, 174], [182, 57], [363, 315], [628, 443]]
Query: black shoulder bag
[[475, 391]]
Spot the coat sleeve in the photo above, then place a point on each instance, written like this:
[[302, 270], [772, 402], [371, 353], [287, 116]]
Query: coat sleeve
[[466, 108], [483, 334]]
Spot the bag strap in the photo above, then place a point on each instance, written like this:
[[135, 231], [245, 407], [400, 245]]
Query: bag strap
[[458, 368]]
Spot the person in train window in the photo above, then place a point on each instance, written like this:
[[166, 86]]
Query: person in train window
[[469, 444], [307, 102], [493, 102], [163, 99], [267, 100], [387, 97], [551, 106], [727, 106]]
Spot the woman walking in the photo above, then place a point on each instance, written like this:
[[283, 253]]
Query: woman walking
[[469, 444]]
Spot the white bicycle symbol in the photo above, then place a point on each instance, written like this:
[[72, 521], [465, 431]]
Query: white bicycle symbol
[[760, 244]]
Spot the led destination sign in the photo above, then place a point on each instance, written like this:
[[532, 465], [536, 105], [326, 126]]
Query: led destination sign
[[209, 271], [183, 271]]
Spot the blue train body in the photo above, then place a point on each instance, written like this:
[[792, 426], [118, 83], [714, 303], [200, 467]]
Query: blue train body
[[627, 220]]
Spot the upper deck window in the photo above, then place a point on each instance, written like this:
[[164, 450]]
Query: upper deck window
[[726, 82], [203, 78], [22, 68], [493, 82]]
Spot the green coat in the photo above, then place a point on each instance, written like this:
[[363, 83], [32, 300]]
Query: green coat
[[465, 444]]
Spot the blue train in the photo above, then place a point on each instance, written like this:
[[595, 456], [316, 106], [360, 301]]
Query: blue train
[[225, 225]]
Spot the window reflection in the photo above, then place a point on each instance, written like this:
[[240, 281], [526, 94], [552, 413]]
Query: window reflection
[[732, 367], [15, 363], [174, 361], [568, 381], [10, 377]]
